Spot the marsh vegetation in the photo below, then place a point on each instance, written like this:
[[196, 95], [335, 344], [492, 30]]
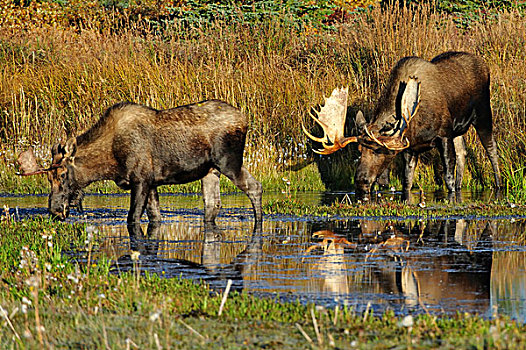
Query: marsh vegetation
[[86, 283], [58, 79]]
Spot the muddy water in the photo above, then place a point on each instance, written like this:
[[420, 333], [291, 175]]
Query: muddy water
[[439, 266]]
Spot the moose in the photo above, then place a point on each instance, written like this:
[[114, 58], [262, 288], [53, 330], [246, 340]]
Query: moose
[[141, 148], [425, 104]]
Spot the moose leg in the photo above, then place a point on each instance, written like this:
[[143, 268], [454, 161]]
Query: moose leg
[[447, 151], [491, 150], [484, 126], [153, 209], [211, 195], [410, 162], [252, 188], [138, 200], [383, 179], [460, 155]]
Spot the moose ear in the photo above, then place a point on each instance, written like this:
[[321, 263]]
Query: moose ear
[[70, 148], [360, 121]]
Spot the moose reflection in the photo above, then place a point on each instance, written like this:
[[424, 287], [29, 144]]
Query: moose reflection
[[210, 268], [416, 265], [442, 265]]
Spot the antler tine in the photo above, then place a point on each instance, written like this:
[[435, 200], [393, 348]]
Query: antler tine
[[387, 144], [374, 138], [325, 137], [400, 148]]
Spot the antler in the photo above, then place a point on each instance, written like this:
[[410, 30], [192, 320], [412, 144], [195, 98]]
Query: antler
[[28, 164], [410, 102], [409, 106], [331, 118]]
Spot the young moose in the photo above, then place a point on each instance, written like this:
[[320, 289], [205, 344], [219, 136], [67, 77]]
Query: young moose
[[425, 104], [141, 148]]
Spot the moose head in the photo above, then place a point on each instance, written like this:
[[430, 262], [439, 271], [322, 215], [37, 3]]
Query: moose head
[[65, 192], [379, 142]]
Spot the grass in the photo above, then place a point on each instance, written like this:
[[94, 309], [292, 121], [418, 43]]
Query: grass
[[56, 82], [391, 208], [49, 299]]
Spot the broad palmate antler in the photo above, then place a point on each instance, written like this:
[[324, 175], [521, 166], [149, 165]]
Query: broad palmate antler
[[331, 118]]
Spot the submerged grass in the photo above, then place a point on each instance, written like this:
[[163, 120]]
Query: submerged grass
[[55, 82], [49, 299]]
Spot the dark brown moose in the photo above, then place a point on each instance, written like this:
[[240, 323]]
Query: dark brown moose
[[141, 148], [425, 104]]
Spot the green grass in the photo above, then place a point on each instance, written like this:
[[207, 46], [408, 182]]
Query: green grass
[[51, 301], [387, 207]]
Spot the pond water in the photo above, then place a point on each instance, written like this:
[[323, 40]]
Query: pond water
[[440, 266]]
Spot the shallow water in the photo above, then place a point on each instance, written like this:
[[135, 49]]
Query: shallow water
[[439, 266]]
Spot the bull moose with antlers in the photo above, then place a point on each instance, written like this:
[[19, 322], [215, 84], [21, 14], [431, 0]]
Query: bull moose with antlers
[[425, 104], [141, 148]]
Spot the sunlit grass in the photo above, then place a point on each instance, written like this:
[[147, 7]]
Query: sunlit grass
[[55, 83]]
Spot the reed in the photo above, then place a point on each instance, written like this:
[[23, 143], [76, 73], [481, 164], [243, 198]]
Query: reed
[[55, 82]]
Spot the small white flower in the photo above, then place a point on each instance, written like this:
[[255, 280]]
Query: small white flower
[[91, 229], [22, 264], [154, 316], [33, 281], [135, 255], [26, 301], [407, 321], [73, 278]]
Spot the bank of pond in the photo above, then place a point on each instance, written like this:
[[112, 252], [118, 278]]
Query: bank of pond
[[296, 281]]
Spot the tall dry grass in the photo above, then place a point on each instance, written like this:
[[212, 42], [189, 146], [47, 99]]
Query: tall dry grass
[[56, 82]]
